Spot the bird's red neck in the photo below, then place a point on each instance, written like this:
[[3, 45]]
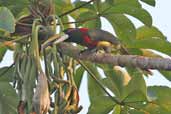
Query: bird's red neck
[[86, 38], [84, 30]]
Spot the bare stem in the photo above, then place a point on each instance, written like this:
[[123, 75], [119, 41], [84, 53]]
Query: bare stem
[[72, 10]]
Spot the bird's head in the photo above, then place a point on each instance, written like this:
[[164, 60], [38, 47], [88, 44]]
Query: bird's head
[[75, 34]]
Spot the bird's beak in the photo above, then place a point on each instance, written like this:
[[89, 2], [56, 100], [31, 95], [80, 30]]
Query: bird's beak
[[61, 39], [53, 41]]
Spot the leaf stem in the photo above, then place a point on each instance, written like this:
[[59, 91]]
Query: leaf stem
[[97, 81], [35, 44], [81, 21], [76, 8]]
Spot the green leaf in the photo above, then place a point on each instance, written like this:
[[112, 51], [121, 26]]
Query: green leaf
[[136, 89], [8, 99], [7, 21], [92, 84], [166, 74], [65, 19], [103, 7], [151, 43], [116, 78], [158, 103], [109, 1], [111, 85], [138, 13], [3, 50], [124, 110], [149, 2], [6, 74], [62, 6], [123, 27], [15, 6], [88, 6], [149, 32], [89, 20], [117, 109], [137, 112], [78, 76], [101, 105], [161, 96], [135, 51], [150, 35], [134, 3]]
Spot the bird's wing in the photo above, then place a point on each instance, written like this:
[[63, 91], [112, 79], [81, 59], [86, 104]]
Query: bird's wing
[[101, 35]]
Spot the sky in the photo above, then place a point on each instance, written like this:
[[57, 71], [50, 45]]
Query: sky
[[161, 19]]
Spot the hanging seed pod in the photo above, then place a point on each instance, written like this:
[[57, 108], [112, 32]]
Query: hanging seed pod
[[74, 104], [41, 98]]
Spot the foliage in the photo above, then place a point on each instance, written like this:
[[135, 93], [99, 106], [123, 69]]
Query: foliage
[[26, 24]]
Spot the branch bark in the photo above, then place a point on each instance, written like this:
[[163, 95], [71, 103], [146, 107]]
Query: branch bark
[[117, 60]]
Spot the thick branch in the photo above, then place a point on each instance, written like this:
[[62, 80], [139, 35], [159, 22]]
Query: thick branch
[[119, 60]]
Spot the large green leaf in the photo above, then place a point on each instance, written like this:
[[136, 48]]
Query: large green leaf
[[6, 74], [161, 96], [8, 99], [150, 38], [158, 103], [62, 6], [166, 74], [78, 76], [3, 50], [101, 105], [123, 27], [94, 89], [151, 43], [117, 109], [16, 6], [134, 3], [149, 32], [116, 80], [138, 13], [111, 86], [7, 21], [87, 16], [149, 2], [89, 20], [102, 7], [86, 8], [65, 19], [136, 89]]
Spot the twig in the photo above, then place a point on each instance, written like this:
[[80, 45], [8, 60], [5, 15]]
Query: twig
[[81, 21], [98, 82], [72, 10]]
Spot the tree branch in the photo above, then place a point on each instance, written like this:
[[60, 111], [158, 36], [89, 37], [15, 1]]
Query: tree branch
[[80, 21], [117, 60], [72, 10]]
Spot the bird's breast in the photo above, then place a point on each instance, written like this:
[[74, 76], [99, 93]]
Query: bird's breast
[[88, 42]]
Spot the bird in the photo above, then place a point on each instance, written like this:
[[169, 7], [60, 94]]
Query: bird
[[93, 39]]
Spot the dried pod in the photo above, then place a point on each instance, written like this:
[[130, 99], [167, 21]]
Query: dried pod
[[41, 98]]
